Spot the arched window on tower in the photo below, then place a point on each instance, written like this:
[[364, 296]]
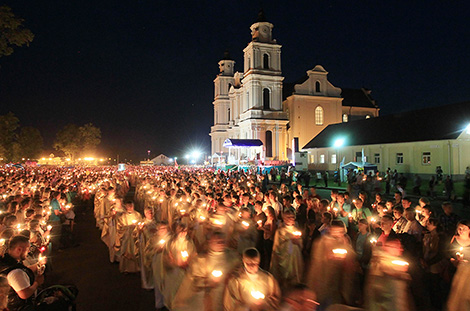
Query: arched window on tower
[[319, 115], [317, 87], [266, 96], [229, 86], [269, 144], [265, 61]]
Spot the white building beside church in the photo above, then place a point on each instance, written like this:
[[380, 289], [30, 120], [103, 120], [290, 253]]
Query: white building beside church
[[257, 106]]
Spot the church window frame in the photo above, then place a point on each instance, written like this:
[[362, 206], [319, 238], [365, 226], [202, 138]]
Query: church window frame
[[317, 87], [319, 118], [266, 99], [266, 61]]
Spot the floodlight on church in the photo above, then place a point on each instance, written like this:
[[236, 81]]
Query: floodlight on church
[[339, 142]]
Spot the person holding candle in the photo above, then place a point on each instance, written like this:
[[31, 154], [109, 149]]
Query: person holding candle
[[245, 229], [177, 254], [145, 230], [125, 244], [333, 270], [153, 259], [204, 283], [459, 296], [251, 288], [286, 262], [388, 281], [23, 280]]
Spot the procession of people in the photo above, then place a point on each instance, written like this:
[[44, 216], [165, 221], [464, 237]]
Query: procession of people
[[206, 239]]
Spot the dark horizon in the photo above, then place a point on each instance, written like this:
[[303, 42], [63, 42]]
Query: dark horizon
[[143, 72]]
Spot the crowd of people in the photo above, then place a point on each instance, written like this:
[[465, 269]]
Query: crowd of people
[[214, 240]]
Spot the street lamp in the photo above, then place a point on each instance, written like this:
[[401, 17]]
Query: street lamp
[[338, 143]]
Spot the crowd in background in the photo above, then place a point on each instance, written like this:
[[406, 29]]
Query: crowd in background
[[214, 240]]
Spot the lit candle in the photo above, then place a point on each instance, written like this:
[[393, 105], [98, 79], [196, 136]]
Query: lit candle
[[202, 218], [245, 224], [460, 253], [2, 242], [259, 222], [400, 263], [297, 233], [340, 251], [161, 242], [217, 274], [257, 294], [373, 240], [184, 255], [49, 227], [134, 221]]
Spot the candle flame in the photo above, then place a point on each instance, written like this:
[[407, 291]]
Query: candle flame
[[184, 254], [400, 263], [340, 251], [257, 294], [245, 224], [297, 233], [217, 273]]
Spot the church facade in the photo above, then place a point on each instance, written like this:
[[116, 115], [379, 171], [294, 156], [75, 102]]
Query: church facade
[[258, 105]]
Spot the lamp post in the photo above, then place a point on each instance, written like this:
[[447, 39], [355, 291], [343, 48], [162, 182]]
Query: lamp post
[[339, 142]]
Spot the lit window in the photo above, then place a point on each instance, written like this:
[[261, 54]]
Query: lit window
[[333, 158], [399, 158], [319, 115], [377, 158], [426, 158], [322, 158], [345, 117], [312, 158]]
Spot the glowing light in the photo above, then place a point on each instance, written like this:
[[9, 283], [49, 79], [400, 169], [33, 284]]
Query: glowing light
[[297, 233], [217, 273], [338, 143], [245, 224], [161, 242], [400, 263], [257, 294], [340, 251]]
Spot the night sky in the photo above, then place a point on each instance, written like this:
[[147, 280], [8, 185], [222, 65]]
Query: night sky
[[143, 71]]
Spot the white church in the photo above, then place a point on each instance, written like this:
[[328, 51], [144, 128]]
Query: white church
[[260, 118]]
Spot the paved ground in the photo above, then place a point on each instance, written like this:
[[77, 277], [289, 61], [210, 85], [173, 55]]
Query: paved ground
[[101, 285]]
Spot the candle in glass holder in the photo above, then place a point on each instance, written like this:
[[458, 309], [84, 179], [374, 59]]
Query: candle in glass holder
[[245, 224], [297, 233], [2, 242], [184, 255], [49, 227], [340, 253], [161, 242], [373, 241], [134, 221], [259, 222]]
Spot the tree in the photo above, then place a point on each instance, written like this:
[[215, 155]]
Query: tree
[[90, 137], [9, 123], [31, 142], [12, 32], [73, 140]]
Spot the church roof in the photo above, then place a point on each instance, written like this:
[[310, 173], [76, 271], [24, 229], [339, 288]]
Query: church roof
[[435, 123], [357, 98]]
